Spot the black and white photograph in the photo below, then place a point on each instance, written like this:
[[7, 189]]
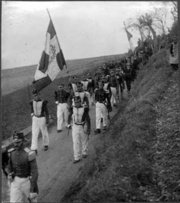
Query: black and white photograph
[[90, 101]]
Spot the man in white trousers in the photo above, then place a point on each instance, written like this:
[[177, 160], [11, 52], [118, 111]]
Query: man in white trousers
[[80, 130], [22, 172], [61, 97], [114, 88], [101, 99], [40, 119]]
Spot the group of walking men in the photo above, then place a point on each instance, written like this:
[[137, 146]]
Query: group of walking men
[[74, 102]]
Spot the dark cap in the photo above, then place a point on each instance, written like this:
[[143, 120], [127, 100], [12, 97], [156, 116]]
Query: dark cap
[[35, 92], [17, 137]]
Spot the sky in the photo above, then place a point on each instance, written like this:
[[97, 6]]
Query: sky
[[84, 29]]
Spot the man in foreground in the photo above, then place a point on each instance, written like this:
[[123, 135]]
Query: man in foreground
[[22, 171]]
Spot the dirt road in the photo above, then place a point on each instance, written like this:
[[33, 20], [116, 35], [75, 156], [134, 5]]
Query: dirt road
[[56, 168]]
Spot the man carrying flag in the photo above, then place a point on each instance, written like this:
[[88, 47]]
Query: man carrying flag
[[52, 60]]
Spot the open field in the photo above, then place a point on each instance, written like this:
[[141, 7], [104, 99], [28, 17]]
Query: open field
[[17, 78], [15, 96]]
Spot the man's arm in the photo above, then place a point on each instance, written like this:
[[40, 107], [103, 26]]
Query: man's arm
[[55, 96], [46, 112], [34, 176], [32, 110]]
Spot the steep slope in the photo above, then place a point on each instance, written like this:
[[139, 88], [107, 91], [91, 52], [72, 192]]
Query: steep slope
[[138, 159]]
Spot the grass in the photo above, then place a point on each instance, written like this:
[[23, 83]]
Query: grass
[[138, 159]]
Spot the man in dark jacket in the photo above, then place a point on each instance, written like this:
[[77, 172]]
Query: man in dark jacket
[[101, 100], [22, 171], [61, 98], [40, 117], [128, 77]]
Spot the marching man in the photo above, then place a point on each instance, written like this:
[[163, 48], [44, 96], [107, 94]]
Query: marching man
[[22, 172], [80, 130], [114, 88], [107, 89], [61, 97], [40, 117], [101, 99]]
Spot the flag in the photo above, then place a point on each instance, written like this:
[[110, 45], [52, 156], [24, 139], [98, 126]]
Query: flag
[[52, 60], [129, 35]]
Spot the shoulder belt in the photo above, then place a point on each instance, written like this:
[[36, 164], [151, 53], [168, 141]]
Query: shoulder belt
[[9, 151], [31, 154]]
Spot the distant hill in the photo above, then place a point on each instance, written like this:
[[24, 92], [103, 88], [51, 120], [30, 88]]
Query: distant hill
[[17, 78]]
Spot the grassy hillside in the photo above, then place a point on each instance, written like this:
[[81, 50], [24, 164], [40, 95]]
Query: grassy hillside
[[138, 159], [15, 105]]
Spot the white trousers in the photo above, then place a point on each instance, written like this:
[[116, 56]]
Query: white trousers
[[80, 141], [101, 112], [39, 125], [20, 190], [62, 114], [114, 95]]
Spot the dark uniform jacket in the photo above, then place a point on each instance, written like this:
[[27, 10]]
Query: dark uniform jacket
[[61, 96], [113, 81], [39, 107], [128, 73], [83, 96], [21, 166], [91, 85], [120, 77], [84, 101], [101, 96]]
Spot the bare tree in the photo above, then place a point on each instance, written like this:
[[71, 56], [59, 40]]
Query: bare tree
[[174, 9], [159, 16]]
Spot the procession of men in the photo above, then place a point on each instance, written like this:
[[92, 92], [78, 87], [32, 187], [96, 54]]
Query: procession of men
[[102, 90]]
